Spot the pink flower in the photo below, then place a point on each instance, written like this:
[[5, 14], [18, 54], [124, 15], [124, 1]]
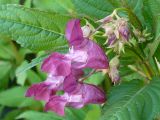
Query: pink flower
[[57, 64], [43, 90], [65, 70], [76, 96], [84, 52]]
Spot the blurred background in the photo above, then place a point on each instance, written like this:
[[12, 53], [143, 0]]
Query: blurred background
[[13, 85]]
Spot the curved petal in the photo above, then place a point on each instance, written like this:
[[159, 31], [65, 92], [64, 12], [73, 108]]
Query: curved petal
[[39, 91], [57, 64], [96, 58], [56, 104], [74, 33], [43, 90], [93, 94]]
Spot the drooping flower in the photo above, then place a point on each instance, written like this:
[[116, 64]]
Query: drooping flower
[[76, 95], [64, 70], [85, 53]]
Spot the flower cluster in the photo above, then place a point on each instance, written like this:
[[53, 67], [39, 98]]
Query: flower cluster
[[117, 31], [65, 70]]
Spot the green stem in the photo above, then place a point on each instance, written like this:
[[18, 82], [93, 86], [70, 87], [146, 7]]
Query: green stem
[[150, 72]]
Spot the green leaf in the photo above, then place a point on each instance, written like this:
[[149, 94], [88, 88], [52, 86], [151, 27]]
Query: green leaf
[[33, 115], [33, 77], [32, 28], [12, 115], [94, 8], [5, 67], [9, 1], [15, 97], [94, 113], [21, 78], [33, 63], [133, 100], [58, 6], [96, 78]]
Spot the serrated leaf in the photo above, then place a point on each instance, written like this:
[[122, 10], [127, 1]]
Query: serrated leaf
[[133, 101], [32, 28], [58, 6], [94, 8]]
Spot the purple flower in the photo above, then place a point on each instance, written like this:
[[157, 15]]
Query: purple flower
[[111, 39], [64, 71], [76, 95], [123, 29], [84, 53], [43, 90], [57, 64], [56, 104], [74, 33], [124, 32], [83, 94]]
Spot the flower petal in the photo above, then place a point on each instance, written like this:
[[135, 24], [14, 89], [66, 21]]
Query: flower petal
[[56, 104], [40, 91], [93, 94], [57, 64], [73, 32], [43, 90], [96, 58]]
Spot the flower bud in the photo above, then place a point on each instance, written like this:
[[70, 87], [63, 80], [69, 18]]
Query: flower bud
[[86, 30], [123, 29], [106, 19], [113, 69]]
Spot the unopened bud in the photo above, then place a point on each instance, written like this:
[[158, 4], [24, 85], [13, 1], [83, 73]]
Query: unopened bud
[[113, 69], [106, 19], [86, 30]]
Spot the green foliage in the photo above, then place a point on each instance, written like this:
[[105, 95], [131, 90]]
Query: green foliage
[[58, 6], [14, 97], [32, 28], [94, 8], [133, 100], [39, 25], [33, 115], [28, 66], [9, 1]]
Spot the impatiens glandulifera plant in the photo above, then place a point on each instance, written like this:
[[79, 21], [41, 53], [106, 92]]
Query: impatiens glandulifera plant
[[65, 70], [86, 38]]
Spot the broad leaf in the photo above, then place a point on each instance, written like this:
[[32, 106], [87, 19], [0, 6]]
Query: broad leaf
[[133, 100], [94, 8], [15, 97], [32, 28], [58, 6], [33, 115], [9, 1]]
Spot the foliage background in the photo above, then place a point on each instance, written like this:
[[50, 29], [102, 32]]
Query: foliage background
[[43, 32]]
